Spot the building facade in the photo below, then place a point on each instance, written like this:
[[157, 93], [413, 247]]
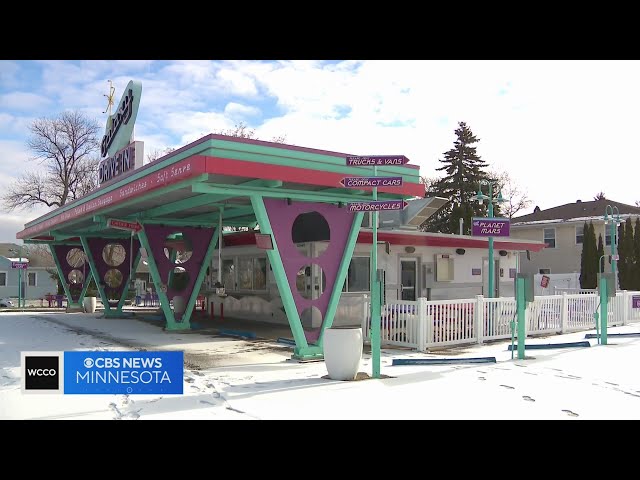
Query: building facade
[[561, 229], [36, 279]]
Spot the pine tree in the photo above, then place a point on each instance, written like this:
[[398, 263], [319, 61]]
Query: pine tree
[[584, 257], [636, 256], [600, 254], [464, 169], [626, 256], [588, 260], [622, 267]]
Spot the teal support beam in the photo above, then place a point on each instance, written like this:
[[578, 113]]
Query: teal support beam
[[604, 299], [341, 275], [157, 280], [192, 202], [302, 350], [375, 293], [520, 307], [65, 281], [132, 274], [95, 274], [203, 270]]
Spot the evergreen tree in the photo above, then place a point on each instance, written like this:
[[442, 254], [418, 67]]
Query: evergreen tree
[[589, 262], [625, 253], [584, 256], [600, 254], [636, 256], [464, 169], [622, 270]]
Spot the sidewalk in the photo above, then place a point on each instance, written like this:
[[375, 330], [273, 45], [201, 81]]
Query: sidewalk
[[239, 379]]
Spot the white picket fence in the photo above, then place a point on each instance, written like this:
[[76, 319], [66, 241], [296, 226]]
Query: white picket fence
[[426, 324]]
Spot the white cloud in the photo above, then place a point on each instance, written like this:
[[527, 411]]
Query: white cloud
[[23, 101], [9, 73], [237, 110]]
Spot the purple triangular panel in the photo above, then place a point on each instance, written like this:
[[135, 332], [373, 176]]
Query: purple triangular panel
[[281, 216], [61, 251], [200, 239], [96, 247]]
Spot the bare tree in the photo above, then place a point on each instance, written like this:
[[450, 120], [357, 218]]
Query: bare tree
[[64, 147], [428, 182], [515, 197], [600, 196], [157, 153], [241, 130]]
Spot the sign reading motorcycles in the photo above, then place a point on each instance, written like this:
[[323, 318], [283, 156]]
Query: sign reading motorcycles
[[129, 158]]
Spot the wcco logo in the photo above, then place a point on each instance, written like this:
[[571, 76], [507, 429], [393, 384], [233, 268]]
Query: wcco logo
[[41, 372]]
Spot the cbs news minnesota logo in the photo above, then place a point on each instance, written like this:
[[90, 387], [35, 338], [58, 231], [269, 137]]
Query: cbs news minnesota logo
[[102, 372]]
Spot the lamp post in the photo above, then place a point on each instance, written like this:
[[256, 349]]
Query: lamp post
[[481, 197], [614, 221], [19, 252]]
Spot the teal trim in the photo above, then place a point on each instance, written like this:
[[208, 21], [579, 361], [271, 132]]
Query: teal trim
[[162, 296], [95, 274], [187, 222], [203, 269], [341, 275], [281, 278], [280, 193], [300, 159], [192, 202], [604, 314], [375, 292]]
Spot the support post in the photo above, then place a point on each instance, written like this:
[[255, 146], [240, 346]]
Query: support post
[[302, 349], [603, 310], [521, 307], [65, 286], [95, 274], [564, 313], [375, 292], [157, 280], [203, 269], [478, 318], [341, 275]]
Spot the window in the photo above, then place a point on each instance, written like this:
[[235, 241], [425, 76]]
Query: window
[[228, 274], [252, 273], [579, 234], [358, 276], [550, 237], [32, 279], [3, 279], [607, 237]]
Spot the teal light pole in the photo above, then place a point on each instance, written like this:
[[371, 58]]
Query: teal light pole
[[19, 252], [614, 221], [480, 197]]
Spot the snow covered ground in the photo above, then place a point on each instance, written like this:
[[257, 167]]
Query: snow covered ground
[[233, 379]]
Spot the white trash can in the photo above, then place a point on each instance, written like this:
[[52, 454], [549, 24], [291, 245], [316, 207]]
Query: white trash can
[[89, 304], [342, 352], [179, 305]]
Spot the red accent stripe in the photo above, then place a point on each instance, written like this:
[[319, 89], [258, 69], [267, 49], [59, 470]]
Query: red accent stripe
[[248, 238], [243, 168], [456, 242]]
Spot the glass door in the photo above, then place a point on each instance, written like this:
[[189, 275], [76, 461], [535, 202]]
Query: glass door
[[408, 278]]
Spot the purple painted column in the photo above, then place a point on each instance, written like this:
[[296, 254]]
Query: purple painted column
[[282, 217], [96, 246], [199, 238], [61, 252]]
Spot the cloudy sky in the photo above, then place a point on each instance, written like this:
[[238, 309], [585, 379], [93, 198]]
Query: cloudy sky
[[563, 130]]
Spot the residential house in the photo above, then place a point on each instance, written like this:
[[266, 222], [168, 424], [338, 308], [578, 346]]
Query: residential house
[[36, 280], [561, 228]]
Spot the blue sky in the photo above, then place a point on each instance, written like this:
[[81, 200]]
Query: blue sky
[[563, 130]]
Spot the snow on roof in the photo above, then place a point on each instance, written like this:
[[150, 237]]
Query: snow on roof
[[596, 218]]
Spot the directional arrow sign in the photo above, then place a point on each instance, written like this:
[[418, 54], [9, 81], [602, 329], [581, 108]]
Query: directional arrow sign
[[376, 206], [123, 225], [357, 182], [376, 160]]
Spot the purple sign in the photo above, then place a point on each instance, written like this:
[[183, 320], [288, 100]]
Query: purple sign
[[376, 160], [19, 265], [635, 301], [376, 206], [490, 227], [356, 182]]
